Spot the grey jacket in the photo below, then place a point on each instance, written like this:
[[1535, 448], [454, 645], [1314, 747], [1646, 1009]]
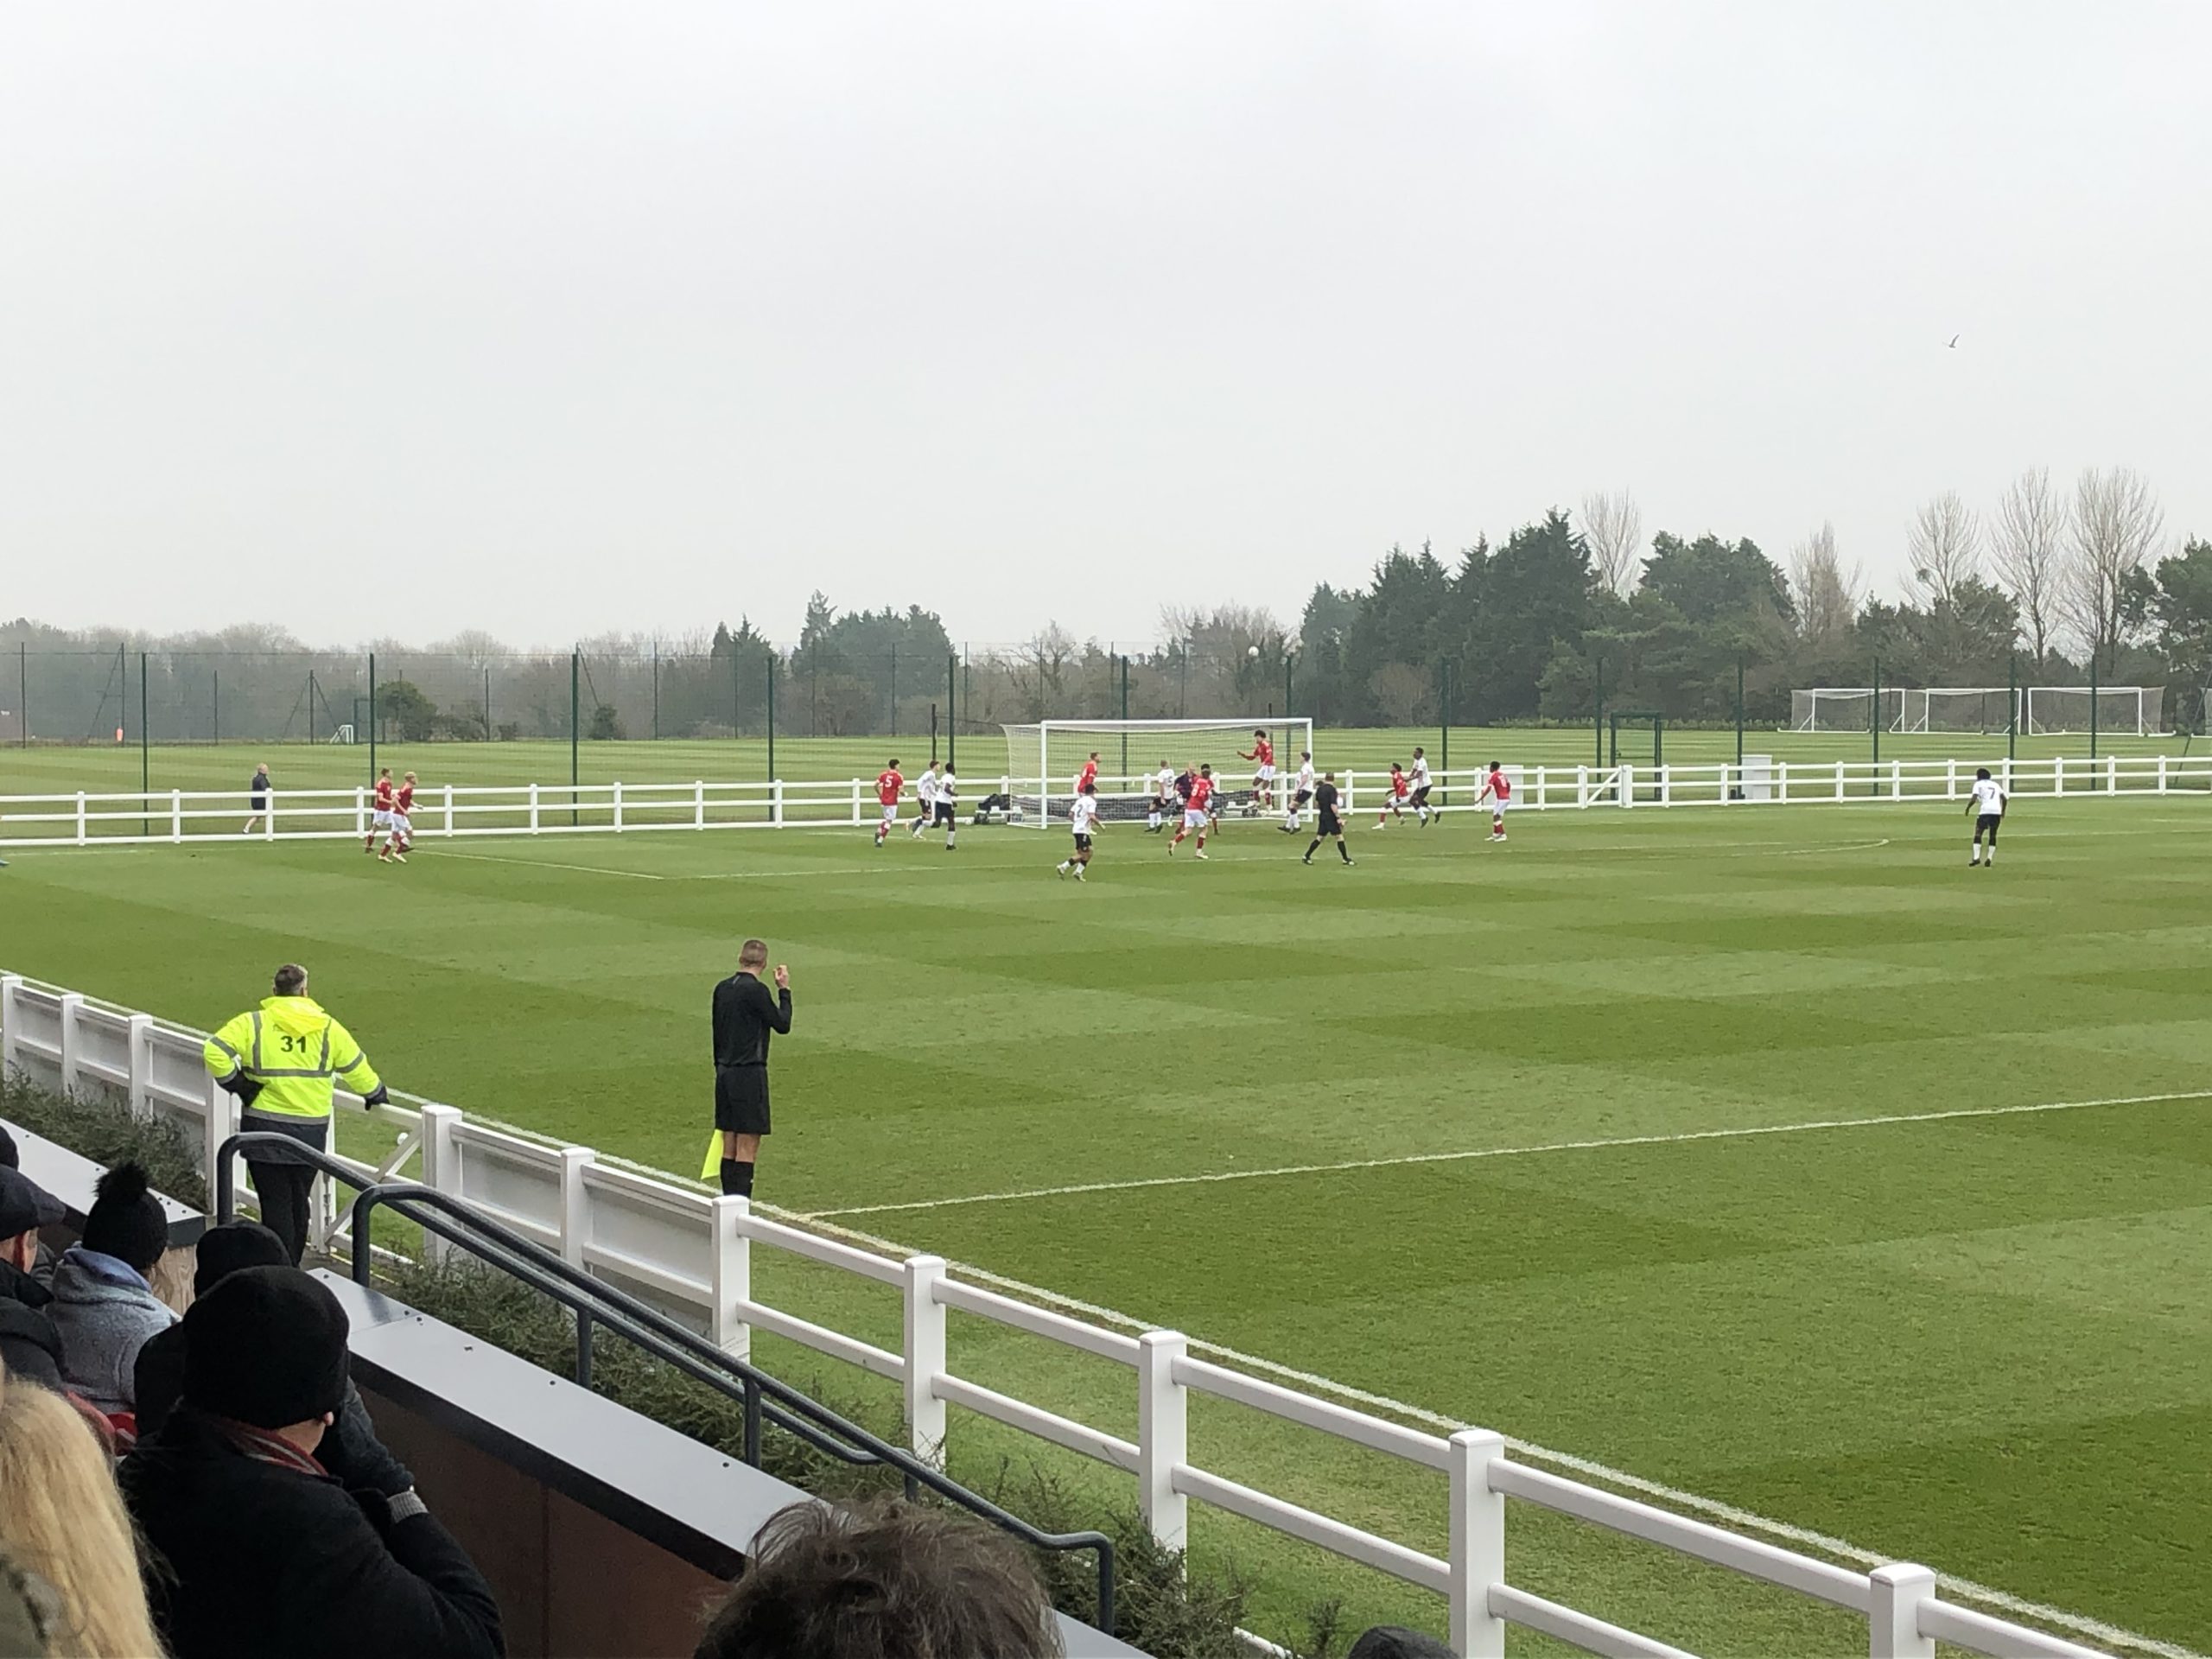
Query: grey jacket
[[105, 1313]]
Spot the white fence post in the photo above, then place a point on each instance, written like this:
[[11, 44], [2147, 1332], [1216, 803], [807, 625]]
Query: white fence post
[[1839, 780], [2162, 774], [533, 809], [1626, 784], [269, 819], [1163, 1436], [141, 1064], [575, 1204], [730, 1271], [9, 1025], [1477, 1544], [220, 1125], [71, 1002], [618, 807], [441, 1167], [699, 804], [449, 809], [856, 800], [776, 808], [2112, 774], [360, 810], [1893, 1611], [927, 1359], [176, 814], [80, 817]]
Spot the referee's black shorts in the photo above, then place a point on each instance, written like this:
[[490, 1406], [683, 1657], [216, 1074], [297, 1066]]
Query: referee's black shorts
[[1330, 824], [741, 1099]]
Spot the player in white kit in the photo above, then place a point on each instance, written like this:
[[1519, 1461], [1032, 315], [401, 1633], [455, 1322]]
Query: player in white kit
[[1986, 805], [1300, 793]]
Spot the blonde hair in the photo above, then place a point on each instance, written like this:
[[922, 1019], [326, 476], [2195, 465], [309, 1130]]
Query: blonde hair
[[62, 1518]]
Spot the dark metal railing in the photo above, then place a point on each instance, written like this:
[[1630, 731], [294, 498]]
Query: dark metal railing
[[595, 1303]]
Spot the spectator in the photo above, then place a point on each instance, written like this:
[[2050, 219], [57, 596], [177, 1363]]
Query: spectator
[[1396, 1642], [266, 1551], [103, 1305], [351, 1451], [882, 1580], [11, 1158], [63, 1527], [31, 1347]]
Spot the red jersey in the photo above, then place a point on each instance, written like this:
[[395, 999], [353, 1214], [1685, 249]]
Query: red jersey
[[384, 795], [887, 785], [1263, 752], [1201, 792], [1500, 785], [407, 798], [1090, 775], [1397, 783]]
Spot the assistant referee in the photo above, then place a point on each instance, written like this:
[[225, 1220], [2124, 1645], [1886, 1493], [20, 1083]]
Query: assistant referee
[[745, 1016]]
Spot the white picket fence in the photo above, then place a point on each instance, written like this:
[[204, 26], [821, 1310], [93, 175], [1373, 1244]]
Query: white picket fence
[[176, 814], [691, 1254]]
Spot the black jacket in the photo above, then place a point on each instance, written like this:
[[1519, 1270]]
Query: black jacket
[[746, 1011], [30, 1346], [256, 1560], [351, 1451]]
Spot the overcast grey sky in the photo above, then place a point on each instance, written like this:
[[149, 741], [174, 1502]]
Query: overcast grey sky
[[552, 319]]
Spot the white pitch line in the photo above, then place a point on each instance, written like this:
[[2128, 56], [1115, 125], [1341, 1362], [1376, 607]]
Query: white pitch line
[[543, 864], [1841, 1548], [1505, 1152]]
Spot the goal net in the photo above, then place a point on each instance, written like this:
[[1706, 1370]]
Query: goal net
[[1845, 709], [1044, 760], [2128, 709], [1980, 709]]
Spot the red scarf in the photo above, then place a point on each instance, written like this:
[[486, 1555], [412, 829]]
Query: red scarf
[[264, 1445]]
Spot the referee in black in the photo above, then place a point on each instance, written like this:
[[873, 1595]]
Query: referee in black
[[744, 1014]]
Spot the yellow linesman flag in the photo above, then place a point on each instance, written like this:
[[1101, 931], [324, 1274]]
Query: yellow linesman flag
[[713, 1166]]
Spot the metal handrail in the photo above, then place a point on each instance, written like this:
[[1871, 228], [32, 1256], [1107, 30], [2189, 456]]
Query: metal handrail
[[595, 1303]]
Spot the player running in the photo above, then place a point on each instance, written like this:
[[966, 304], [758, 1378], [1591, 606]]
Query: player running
[[1420, 786], [1197, 813], [1497, 790], [925, 800], [1301, 792], [1327, 824], [381, 806], [1083, 818], [1986, 804], [888, 784], [1263, 755], [1163, 799], [1397, 799], [403, 822]]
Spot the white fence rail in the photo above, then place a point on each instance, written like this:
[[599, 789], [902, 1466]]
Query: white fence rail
[[691, 1254]]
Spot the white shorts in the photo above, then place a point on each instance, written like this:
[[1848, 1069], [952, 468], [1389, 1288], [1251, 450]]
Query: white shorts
[[1265, 774], [403, 826], [381, 820], [1498, 803], [1195, 818], [891, 812]]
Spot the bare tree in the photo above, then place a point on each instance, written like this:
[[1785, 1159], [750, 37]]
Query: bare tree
[[1612, 529], [1827, 594], [2116, 523], [2024, 546], [1945, 543], [1040, 672]]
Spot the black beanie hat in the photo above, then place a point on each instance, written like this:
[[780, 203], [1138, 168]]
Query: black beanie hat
[[266, 1347], [224, 1250], [1396, 1642], [126, 1220]]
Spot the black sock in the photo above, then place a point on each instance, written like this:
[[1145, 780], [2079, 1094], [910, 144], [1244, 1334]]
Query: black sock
[[1314, 847], [1344, 852], [737, 1178]]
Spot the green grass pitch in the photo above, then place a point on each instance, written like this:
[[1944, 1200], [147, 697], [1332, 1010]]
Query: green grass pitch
[[1980, 1341]]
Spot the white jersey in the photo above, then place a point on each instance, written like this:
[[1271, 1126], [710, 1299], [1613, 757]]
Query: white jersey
[[1306, 779], [1989, 797], [1163, 785], [947, 790], [1083, 817], [1421, 772], [925, 789]]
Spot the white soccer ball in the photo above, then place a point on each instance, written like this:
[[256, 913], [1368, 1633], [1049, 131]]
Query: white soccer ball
[[1252, 651]]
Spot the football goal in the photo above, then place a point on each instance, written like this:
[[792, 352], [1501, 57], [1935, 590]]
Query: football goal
[[1845, 709], [1044, 760], [1986, 710], [2136, 710]]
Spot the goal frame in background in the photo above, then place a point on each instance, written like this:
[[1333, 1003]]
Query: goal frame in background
[[1033, 780], [1917, 713], [2120, 711], [1884, 703]]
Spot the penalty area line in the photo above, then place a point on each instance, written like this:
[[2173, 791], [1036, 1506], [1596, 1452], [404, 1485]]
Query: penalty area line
[[1681, 1138]]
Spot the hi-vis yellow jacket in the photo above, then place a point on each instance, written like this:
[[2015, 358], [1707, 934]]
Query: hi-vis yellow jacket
[[296, 1051]]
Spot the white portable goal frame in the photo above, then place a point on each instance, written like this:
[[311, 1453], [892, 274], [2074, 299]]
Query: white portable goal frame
[[1844, 708], [1986, 710], [1044, 758], [2136, 710]]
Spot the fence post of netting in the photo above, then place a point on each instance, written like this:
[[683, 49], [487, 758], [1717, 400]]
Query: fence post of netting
[[772, 707], [1874, 720], [1444, 733], [1289, 708], [894, 689], [1739, 718], [1597, 717], [952, 710], [23, 697], [1125, 715], [373, 717], [146, 754], [656, 688], [575, 708], [2093, 697], [215, 714], [487, 703], [2013, 705]]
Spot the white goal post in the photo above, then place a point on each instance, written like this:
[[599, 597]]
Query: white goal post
[[1043, 761], [2137, 710], [1845, 709], [1986, 709]]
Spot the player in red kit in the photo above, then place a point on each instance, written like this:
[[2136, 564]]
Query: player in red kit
[[1263, 757], [1197, 810], [1088, 776], [403, 822], [1400, 796], [888, 783], [1498, 789], [381, 807]]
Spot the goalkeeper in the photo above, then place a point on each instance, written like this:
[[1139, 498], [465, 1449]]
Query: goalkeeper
[[282, 1061]]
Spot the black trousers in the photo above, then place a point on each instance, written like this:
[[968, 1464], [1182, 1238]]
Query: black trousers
[[285, 1189]]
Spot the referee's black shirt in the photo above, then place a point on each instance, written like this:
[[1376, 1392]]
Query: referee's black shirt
[[746, 1011]]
